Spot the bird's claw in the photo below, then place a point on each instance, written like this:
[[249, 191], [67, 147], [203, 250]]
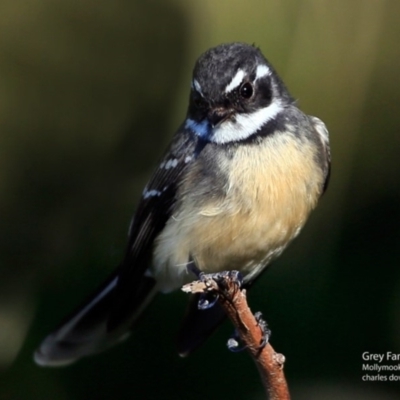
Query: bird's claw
[[233, 343], [208, 300], [266, 332]]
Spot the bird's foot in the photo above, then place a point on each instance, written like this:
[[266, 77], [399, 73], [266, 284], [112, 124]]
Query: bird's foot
[[208, 300], [233, 343], [234, 340]]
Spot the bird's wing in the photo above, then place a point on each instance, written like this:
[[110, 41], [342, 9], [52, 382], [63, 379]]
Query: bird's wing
[[105, 318], [153, 212], [323, 135]]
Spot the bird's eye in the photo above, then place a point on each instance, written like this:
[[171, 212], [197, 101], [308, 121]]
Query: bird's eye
[[246, 90]]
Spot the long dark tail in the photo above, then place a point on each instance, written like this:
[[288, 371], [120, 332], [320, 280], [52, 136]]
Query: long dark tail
[[86, 330]]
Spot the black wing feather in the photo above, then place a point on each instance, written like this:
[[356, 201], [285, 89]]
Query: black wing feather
[[151, 216]]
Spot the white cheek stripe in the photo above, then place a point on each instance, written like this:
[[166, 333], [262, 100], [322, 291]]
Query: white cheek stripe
[[245, 125], [236, 81], [261, 71]]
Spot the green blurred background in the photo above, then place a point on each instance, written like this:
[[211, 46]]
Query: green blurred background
[[90, 94]]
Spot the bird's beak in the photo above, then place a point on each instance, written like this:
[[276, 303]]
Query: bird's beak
[[218, 115]]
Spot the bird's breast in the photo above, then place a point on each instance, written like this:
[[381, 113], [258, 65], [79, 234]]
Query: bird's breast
[[239, 209]]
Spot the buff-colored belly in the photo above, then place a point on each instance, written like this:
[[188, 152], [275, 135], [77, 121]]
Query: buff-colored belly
[[266, 203]]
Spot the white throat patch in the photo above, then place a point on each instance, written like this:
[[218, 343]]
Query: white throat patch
[[245, 125], [242, 127]]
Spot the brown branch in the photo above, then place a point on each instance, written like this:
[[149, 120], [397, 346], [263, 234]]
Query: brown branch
[[234, 303]]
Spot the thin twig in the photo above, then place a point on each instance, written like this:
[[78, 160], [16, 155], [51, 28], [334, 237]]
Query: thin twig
[[234, 303]]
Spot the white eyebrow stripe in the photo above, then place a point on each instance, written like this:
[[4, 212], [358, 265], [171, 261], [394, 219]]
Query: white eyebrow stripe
[[236, 81], [261, 71], [196, 86]]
